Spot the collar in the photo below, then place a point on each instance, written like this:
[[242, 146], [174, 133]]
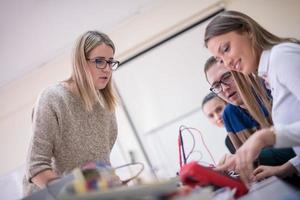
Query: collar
[[263, 67]]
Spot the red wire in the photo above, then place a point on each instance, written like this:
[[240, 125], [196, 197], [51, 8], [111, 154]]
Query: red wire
[[203, 142]]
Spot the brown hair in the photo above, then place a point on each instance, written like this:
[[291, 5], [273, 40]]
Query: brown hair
[[252, 92], [209, 97], [228, 21], [261, 40], [211, 61]]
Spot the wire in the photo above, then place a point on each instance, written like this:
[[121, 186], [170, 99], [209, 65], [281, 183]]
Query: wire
[[182, 128], [181, 149], [193, 147], [179, 152], [201, 155], [133, 177], [182, 146], [203, 142]]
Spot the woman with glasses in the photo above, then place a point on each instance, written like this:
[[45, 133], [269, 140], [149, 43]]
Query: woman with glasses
[[239, 123], [244, 46], [74, 120]]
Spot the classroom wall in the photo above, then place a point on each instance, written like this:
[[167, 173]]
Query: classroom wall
[[278, 16], [18, 97]]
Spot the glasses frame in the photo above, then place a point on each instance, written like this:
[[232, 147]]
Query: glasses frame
[[221, 81], [113, 64]]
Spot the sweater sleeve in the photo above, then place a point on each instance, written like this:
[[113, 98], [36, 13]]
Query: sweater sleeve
[[45, 127]]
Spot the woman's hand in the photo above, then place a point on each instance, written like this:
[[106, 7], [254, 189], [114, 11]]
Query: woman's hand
[[44, 177], [224, 159], [243, 159], [263, 171]]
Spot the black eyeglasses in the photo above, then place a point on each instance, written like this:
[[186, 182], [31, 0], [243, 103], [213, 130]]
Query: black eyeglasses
[[226, 79], [101, 63]]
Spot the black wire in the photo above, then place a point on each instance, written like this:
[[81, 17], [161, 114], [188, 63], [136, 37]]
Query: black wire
[[182, 147], [182, 128], [193, 148], [133, 177]]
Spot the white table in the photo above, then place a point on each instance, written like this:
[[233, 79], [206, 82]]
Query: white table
[[272, 188]]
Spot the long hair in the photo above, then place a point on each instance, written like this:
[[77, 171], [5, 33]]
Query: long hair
[[247, 91], [82, 77], [261, 39], [254, 96], [228, 21]]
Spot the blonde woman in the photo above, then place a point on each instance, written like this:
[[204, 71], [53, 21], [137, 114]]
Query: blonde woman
[[74, 120], [244, 46]]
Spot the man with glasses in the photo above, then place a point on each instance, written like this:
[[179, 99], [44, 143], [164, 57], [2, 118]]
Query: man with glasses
[[238, 122]]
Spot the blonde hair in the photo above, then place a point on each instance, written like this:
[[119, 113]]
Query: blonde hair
[[254, 96], [82, 77], [248, 86], [228, 21]]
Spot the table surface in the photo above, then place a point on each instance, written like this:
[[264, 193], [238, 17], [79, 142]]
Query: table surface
[[271, 188]]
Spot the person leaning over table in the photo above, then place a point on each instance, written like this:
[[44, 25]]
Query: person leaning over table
[[74, 120], [243, 45], [238, 121]]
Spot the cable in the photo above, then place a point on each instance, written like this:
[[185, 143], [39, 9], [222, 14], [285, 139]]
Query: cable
[[181, 149], [201, 155], [133, 177], [193, 147], [179, 152], [203, 142], [182, 146], [182, 128]]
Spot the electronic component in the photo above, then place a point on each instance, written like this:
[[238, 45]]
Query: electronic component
[[193, 174]]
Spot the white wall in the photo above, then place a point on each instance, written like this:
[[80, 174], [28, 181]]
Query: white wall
[[281, 17], [166, 90], [17, 98]]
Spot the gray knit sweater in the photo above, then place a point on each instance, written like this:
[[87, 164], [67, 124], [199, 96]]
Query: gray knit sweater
[[65, 135]]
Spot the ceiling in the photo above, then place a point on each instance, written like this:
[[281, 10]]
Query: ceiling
[[33, 32]]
